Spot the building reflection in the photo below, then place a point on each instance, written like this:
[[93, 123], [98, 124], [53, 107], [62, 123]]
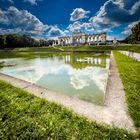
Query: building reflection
[[81, 62]]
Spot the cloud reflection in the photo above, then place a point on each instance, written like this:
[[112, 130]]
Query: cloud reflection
[[79, 78]]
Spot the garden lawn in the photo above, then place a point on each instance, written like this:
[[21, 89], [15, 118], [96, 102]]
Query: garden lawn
[[1, 64], [135, 48], [24, 116], [129, 71]]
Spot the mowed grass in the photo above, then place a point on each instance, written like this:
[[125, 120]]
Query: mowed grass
[[129, 71], [4, 55], [24, 116], [1, 64], [48, 48], [135, 48]]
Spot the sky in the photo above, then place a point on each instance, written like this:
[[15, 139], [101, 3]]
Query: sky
[[53, 18]]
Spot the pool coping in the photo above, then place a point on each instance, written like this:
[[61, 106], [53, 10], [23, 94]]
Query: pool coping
[[113, 113]]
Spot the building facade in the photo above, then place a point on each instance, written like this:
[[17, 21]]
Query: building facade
[[80, 38]]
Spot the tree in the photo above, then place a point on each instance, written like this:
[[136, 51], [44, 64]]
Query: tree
[[135, 36], [2, 41], [16, 41], [12, 40]]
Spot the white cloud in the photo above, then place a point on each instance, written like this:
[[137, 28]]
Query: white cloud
[[66, 31], [88, 26], [23, 22], [54, 31], [127, 30], [116, 12], [135, 8], [28, 23], [112, 14], [9, 31], [76, 26], [110, 37], [33, 2], [79, 26], [78, 13]]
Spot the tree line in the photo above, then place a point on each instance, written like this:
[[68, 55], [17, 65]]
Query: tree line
[[17, 41]]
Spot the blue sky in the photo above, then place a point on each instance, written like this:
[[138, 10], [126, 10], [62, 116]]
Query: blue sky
[[52, 18]]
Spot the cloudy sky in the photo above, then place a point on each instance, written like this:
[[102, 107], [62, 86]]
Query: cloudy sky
[[52, 18]]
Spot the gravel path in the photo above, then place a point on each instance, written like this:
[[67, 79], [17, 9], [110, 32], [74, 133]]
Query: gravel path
[[133, 55], [113, 113]]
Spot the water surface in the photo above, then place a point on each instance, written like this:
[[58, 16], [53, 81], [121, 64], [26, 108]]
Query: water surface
[[82, 76]]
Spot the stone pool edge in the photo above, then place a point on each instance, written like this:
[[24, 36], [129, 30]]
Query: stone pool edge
[[113, 113]]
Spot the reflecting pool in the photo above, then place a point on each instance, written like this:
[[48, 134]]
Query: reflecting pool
[[82, 76]]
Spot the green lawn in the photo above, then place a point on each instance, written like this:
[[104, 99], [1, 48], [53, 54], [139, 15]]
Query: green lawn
[[46, 54], [24, 116], [135, 48], [1, 64], [37, 49], [129, 70]]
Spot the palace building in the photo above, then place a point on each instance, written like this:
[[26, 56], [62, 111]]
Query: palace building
[[79, 38]]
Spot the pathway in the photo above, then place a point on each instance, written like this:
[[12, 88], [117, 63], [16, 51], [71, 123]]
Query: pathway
[[133, 55]]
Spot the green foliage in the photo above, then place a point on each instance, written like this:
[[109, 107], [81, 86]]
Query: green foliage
[[135, 36], [2, 41], [129, 70], [24, 116], [16, 40]]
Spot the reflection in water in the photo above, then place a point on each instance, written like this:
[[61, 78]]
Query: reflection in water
[[88, 60], [84, 77]]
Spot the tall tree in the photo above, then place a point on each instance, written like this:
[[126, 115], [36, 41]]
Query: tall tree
[[135, 36], [2, 41]]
